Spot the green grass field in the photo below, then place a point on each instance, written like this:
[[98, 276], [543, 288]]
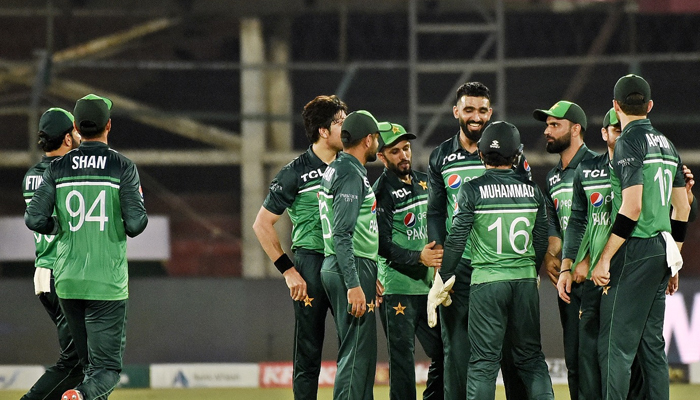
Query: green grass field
[[678, 392]]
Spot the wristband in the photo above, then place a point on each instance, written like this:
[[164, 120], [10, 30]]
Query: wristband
[[623, 226], [565, 270], [283, 263], [678, 230]]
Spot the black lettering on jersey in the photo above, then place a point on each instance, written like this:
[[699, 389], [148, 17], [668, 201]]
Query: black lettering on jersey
[[80, 162]]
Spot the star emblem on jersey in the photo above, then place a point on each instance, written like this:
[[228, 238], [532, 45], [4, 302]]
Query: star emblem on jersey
[[307, 301], [423, 184], [399, 309], [605, 290], [370, 306]]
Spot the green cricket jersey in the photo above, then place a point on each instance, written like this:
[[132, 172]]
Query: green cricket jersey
[[507, 217], [295, 188], [401, 215], [590, 221], [560, 190], [644, 156], [97, 196], [347, 209], [449, 167], [45, 244]]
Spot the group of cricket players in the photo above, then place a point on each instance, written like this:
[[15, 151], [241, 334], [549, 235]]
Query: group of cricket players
[[453, 256]]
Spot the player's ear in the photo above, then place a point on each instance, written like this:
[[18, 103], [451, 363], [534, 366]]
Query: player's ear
[[650, 106], [604, 134], [324, 133]]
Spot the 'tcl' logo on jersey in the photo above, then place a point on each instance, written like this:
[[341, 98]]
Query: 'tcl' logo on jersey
[[556, 205], [409, 220], [454, 181], [597, 199], [374, 207]]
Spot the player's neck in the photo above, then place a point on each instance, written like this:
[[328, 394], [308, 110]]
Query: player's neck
[[326, 153], [568, 154], [467, 144], [626, 119]]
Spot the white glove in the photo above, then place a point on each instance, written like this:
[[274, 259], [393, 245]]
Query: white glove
[[439, 294]]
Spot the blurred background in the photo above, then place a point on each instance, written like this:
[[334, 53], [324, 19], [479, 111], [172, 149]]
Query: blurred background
[[207, 102]]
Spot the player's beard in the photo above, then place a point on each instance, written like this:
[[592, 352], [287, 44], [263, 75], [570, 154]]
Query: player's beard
[[559, 145], [402, 169], [372, 156], [474, 136]]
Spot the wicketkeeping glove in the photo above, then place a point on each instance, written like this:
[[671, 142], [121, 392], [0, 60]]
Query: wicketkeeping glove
[[439, 294]]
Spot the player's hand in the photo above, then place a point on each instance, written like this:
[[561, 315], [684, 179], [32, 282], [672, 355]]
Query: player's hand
[[295, 283], [672, 285], [380, 293], [581, 271], [357, 302], [564, 286], [431, 255], [689, 182], [439, 294], [601, 273], [552, 265]]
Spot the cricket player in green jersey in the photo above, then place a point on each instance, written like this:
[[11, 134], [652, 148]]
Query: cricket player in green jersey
[[295, 189], [56, 138], [351, 241], [97, 197], [451, 164], [506, 214], [640, 256], [406, 262], [565, 127]]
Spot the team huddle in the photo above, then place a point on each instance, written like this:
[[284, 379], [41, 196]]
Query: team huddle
[[452, 256]]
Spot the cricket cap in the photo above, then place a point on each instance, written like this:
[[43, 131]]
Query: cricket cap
[[358, 124], [500, 137], [632, 84], [56, 122], [92, 113], [392, 133], [610, 118], [563, 110]]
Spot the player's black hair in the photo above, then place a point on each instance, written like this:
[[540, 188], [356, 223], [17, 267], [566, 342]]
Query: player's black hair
[[634, 104], [494, 159], [48, 143], [320, 113], [473, 89]]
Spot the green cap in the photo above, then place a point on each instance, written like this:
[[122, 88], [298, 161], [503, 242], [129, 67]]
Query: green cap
[[92, 113], [500, 137], [392, 133], [358, 124], [631, 84], [55, 122], [610, 118], [563, 110]]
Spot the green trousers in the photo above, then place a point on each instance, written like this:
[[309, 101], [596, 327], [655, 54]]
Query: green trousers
[[497, 307], [454, 324], [309, 325], [404, 318], [99, 332], [67, 373], [632, 312], [569, 317], [357, 350]]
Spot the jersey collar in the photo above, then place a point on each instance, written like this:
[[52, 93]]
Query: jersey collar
[[397, 183], [315, 161], [577, 158], [457, 145], [635, 123]]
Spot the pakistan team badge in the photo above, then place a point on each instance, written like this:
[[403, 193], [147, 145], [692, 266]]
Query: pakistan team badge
[[399, 309]]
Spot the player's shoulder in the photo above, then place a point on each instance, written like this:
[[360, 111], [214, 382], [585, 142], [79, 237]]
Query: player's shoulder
[[443, 149], [594, 162]]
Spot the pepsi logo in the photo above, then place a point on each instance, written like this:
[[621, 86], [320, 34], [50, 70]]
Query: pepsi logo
[[597, 199], [556, 204], [374, 207], [526, 165], [454, 181], [409, 220]]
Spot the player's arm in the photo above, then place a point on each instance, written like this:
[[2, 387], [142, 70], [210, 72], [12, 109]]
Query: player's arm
[[264, 227], [689, 183], [575, 231], [540, 239], [282, 192], [387, 248], [462, 222], [38, 215], [552, 262], [132, 207], [437, 202], [523, 167]]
